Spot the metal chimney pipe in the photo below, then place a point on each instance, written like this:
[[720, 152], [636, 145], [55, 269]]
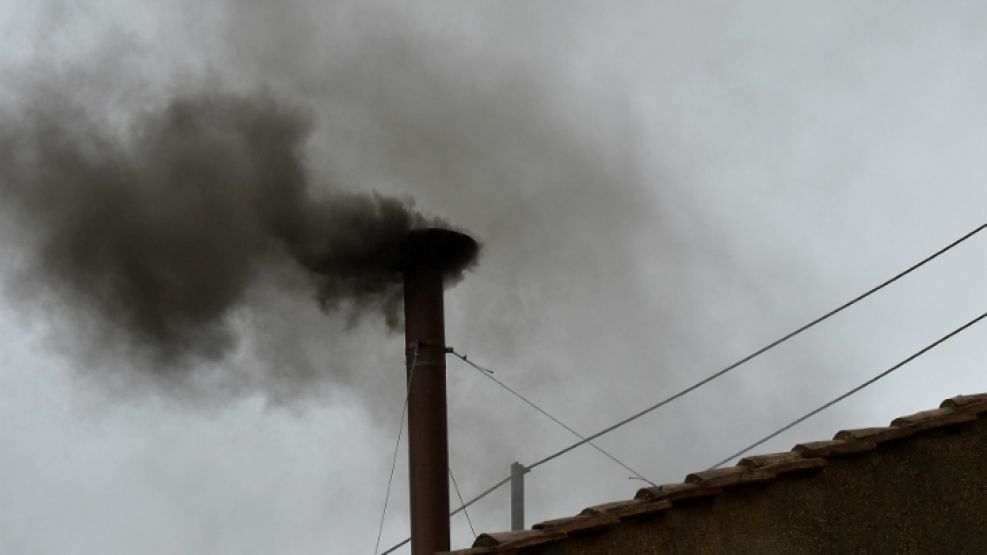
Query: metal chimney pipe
[[429, 255]]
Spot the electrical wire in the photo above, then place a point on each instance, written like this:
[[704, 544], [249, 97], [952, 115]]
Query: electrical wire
[[460, 496], [762, 350], [489, 375], [481, 495], [729, 368], [828, 404], [397, 445], [462, 508], [766, 438]]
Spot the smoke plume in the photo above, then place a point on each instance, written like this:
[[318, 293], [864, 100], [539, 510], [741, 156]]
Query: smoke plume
[[156, 233]]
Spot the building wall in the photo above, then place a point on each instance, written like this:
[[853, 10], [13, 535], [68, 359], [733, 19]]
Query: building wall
[[925, 494]]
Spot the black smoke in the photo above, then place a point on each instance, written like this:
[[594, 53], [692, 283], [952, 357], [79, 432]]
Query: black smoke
[[155, 233]]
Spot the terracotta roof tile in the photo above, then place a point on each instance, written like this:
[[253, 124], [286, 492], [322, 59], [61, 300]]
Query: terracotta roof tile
[[783, 463], [730, 476], [577, 524], [978, 401], [628, 509], [963, 400], [877, 435], [804, 457], [514, 540], [677, 492], [833, 448], [976, 408], [760, 461], [935, 418]]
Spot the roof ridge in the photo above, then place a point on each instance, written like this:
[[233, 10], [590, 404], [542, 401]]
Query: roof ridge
[[801, 459]]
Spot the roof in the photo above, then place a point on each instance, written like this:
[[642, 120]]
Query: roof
[[804, 460]]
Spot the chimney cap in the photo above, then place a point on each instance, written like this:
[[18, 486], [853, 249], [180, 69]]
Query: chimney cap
[[444, 249]]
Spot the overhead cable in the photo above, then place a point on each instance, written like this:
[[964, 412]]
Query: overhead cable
[[460, 496], [762, 350], [779, 431], [744, 360], [489, 375], [397, 444], [828, 404], [462, 508]]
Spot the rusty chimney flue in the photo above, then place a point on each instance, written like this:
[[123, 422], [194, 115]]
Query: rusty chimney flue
[[429, 257]]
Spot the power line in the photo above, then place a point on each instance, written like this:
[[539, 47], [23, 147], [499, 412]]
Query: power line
[[770, 436], [729, 368], [462, 508], [481, 495], [460, 496], [395, 547], [762, 350], [828, 404], [397, 444], [489, 374]]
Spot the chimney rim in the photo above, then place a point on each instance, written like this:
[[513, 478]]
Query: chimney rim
[[447, 250]]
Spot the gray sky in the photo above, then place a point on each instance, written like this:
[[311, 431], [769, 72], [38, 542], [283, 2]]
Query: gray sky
[[659, 188]]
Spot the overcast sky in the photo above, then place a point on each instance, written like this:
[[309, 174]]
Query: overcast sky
[[660, 188]]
